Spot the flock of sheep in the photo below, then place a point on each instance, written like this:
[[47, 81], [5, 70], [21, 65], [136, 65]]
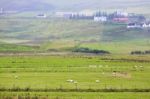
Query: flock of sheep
[[75, 82]]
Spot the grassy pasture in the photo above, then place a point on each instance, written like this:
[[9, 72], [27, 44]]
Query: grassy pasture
[[33, 76], [117, 71], [40, 72], [124, 47], [63, 35], [4, 47], [69, 95]]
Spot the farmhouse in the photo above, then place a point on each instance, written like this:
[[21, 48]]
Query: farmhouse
[[65, 14], [134, 25], [41, 16], [146, 25], [122, 13], [87, 13], [1, 10], [121, 19], [76, 15], [100, 19], [136, 18], [138, 25]]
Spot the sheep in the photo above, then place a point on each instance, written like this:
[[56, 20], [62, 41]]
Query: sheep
[[75, 82], [97, 81], [92, 66], [141, 66], [100, 66], [16, 77], [70, 80], [106, 66], [114, 73], [135, 66]]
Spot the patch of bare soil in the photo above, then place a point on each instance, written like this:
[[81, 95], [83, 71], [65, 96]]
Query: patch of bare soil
[[121, 75]]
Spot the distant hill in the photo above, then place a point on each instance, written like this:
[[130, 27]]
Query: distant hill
[[69, 4], [25, 5]]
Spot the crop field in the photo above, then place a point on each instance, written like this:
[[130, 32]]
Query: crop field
[[82, 76]]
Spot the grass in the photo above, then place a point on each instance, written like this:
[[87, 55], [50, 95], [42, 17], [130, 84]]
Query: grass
[[119, 47], [4, 47], [49, 28], [120, 74], [73, 95], [51, 81], [54, 34], [40, 72]]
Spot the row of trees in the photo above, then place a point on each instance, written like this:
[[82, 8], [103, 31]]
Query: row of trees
[[109, 16], [87, 50], [140, 52]]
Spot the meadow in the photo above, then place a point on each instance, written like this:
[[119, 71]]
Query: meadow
[[73, 95], [37, 59], [28, 34], [76, 74]]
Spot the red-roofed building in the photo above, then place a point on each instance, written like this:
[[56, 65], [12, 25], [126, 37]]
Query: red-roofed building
[[121, 19]]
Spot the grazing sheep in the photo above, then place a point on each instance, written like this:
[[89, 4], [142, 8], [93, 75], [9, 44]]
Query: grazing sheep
[[70, 80], [97, 81], [75, 82], [106, 66], [114, 73], [135, 66], [141, 66], [16, 77], [92, 66]]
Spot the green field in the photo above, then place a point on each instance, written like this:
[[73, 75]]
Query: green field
[[70, 95], [89, 74], [52, 34], [37, 59]]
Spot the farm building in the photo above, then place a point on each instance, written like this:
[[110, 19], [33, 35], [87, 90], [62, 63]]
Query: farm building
[[121, 19], [146, 25], [134, 25], [76, 15], [138, 25], [1, 10], [136, 18], [87, 13], [65, 14], [122, 13], [100, 19], [41, 16]]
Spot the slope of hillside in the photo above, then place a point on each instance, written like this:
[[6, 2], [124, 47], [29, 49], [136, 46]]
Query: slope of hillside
[[25, 5], [70, 5], [58, 35]]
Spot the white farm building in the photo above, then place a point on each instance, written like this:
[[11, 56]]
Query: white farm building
[[100, 19]]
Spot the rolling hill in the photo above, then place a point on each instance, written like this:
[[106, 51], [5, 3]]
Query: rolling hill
[[70, 5], [24, 5], [58, 34]]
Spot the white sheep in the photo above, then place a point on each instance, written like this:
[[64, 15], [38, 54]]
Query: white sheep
[[141, 66], [75, 82], [100, 66], [16, 77], [135, 66], [97, 81], [70, 80]]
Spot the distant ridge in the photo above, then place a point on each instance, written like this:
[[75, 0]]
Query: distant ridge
[[27, 5]]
